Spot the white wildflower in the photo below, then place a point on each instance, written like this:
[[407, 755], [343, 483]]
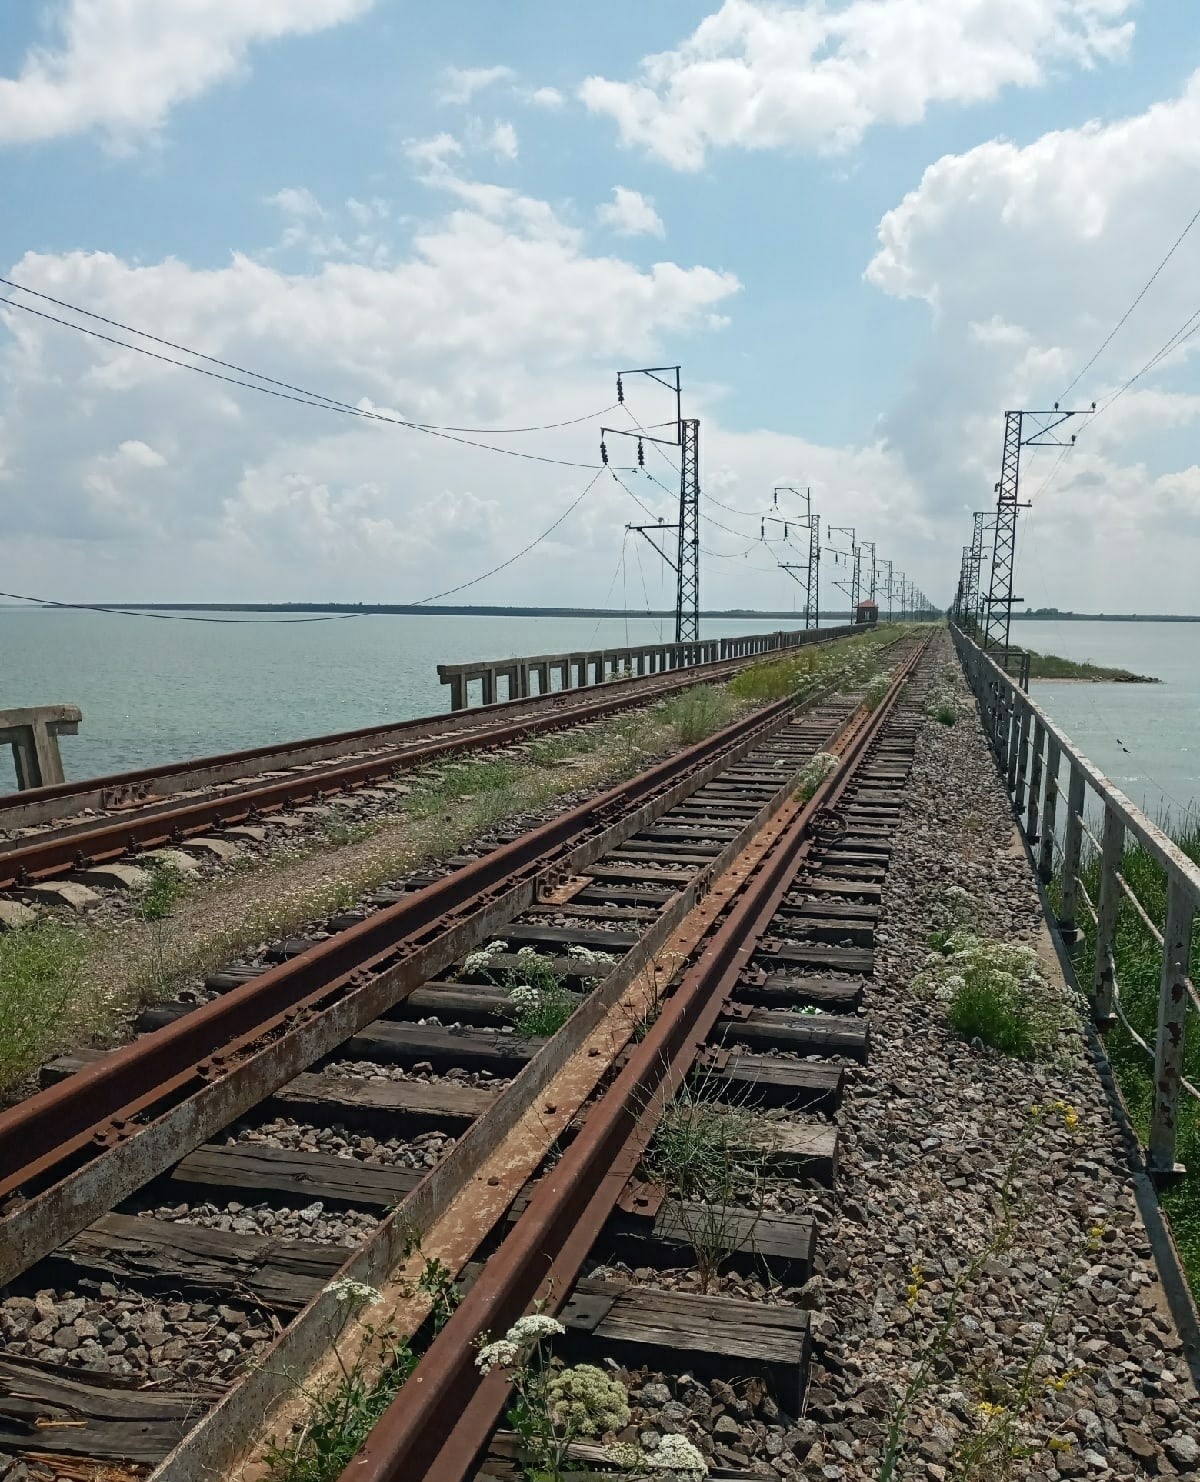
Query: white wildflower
[[480, 960], [816, 769], [532, 1327], [589, 958], [677, 1454], [585, 1401], [498, 1355], [507, 1352], [354, 1293], [876, 689], [524, 998], [625, 1456]]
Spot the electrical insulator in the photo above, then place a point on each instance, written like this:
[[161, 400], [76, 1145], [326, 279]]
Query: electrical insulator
[[603, 453], [620, 393], [762, 530], [641, 454], [785, 534]]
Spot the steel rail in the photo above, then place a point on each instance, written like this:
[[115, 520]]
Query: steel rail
[[73, 1150], [441, 1420], [153, 825], [466, 1196]]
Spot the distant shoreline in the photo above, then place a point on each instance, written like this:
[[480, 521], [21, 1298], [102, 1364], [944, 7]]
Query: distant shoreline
[[408, 609], [400, 609], [1051, 616]]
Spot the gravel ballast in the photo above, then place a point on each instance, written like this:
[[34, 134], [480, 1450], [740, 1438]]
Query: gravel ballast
[[1044, 1355]]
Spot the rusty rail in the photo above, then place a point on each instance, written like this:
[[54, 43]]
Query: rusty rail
[[73, 1150], [438, 1425], [153, 825]]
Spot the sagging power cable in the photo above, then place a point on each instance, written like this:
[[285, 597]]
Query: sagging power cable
[[267, 386]]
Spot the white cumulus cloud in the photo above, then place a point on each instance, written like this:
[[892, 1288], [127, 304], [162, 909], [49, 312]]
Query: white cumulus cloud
[[1027, 257], [503, 141], [296, 202], [485, 316], [122, 65], [631, 214], [757, 75], [460, 84]]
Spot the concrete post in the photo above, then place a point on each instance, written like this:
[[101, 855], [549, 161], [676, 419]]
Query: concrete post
[[33, 735]]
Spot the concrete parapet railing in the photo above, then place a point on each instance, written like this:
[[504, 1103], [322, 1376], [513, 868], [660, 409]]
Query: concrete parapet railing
[[598, 666], [1032, 754], [33, 735]]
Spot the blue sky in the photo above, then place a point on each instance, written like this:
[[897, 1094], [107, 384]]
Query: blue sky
[[864, 228]]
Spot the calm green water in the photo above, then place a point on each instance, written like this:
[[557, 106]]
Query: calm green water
[[1144, 737], [154, 691], [161, 691]]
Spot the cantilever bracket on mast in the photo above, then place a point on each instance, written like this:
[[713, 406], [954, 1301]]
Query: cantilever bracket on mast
[[643, 531]]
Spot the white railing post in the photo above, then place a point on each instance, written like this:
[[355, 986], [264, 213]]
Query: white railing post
[[1035, 783], [1018, 762], [1068, 922], [1049, 811], [1172, 1013], [1112, 850]]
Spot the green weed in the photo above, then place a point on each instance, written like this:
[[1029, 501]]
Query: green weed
[[488, 783], [539, 1012], [877, 687], [162, 894], [40, 970], [994, 992], [762, 683], [711, 1159], [437, 1282], [697, 713], [339, 832], [339, 1421]]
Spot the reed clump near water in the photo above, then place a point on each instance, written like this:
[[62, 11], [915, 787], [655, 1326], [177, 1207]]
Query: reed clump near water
[[1051, 666]]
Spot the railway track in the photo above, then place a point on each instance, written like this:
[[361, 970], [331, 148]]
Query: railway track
[[48, 833], [362, 1088]]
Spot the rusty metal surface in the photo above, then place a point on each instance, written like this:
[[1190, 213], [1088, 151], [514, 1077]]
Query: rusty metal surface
[[231, 1438], [72, 1150], [439, 1423]]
